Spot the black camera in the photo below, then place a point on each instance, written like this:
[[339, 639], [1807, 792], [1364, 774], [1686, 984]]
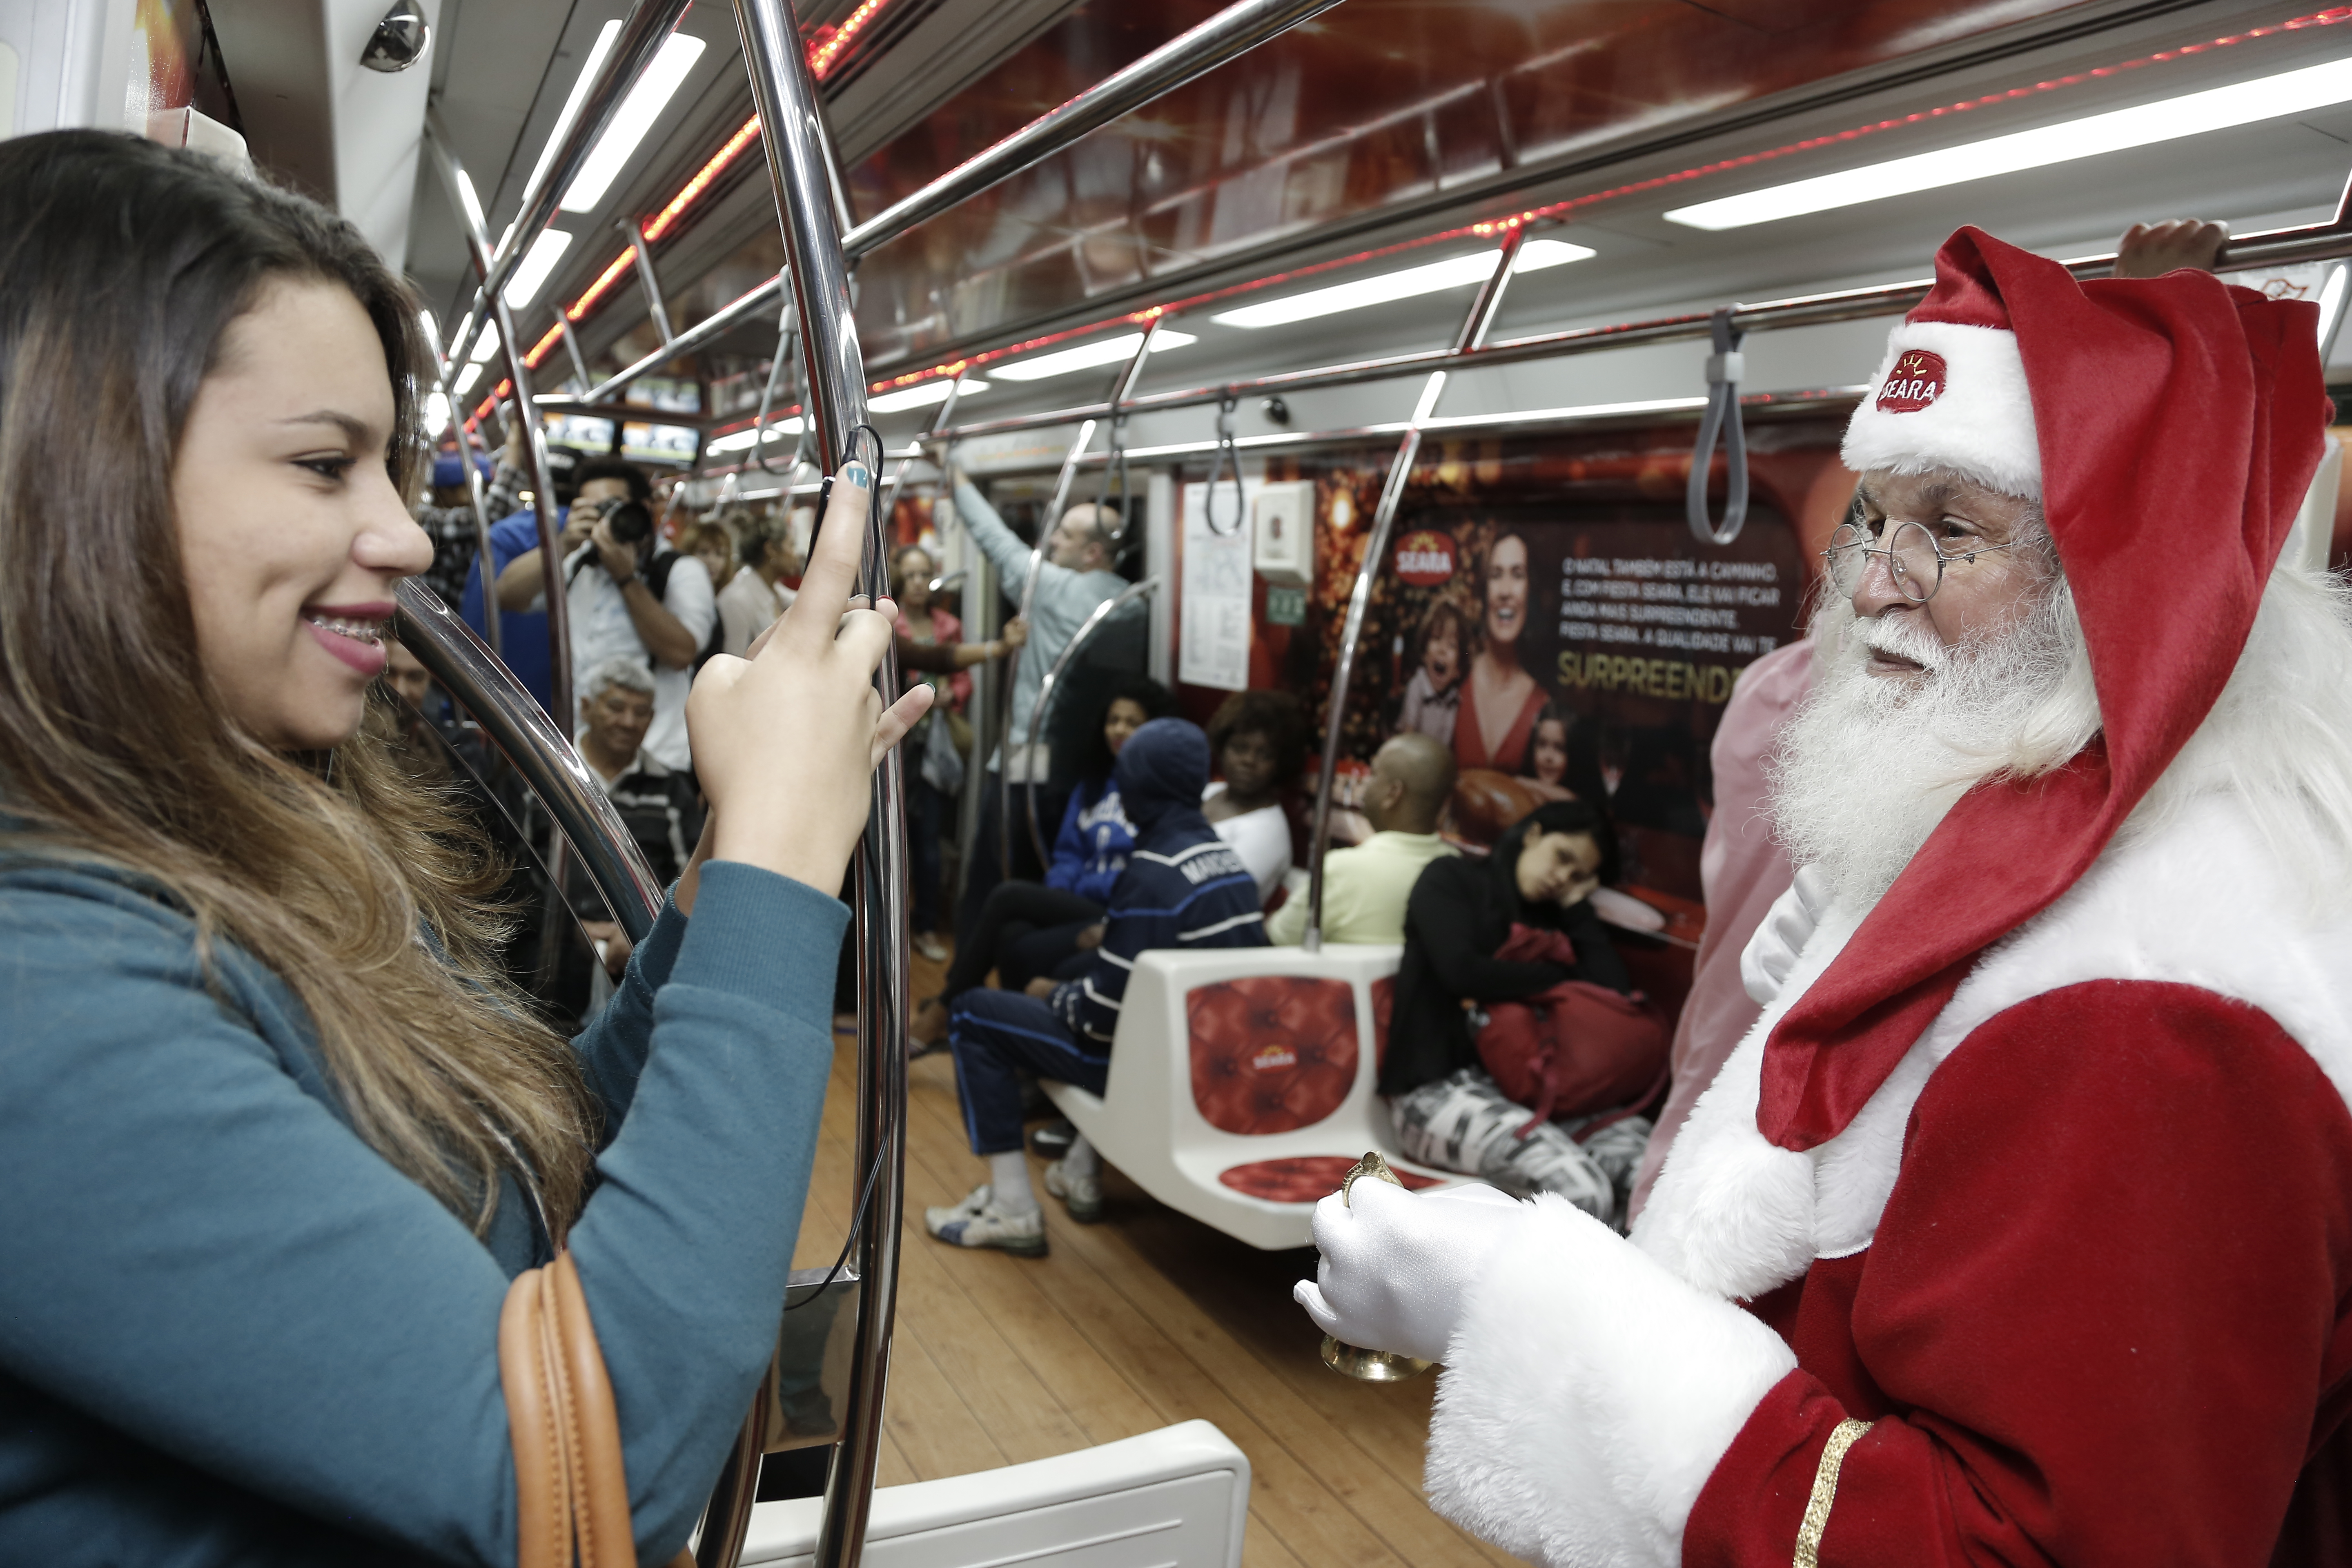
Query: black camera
[[631, 522]]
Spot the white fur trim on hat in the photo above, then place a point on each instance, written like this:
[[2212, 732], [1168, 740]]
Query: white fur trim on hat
[[1949, 396]]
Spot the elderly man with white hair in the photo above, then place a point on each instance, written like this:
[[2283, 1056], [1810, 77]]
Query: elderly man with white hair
[[2019, 1229]]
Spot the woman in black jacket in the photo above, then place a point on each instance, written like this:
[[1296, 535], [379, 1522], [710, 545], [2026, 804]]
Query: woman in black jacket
[[1448, 1112]]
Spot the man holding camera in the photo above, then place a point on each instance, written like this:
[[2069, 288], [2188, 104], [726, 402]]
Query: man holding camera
[[629, 594]]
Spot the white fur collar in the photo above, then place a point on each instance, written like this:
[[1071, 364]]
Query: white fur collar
[[2202, 903]]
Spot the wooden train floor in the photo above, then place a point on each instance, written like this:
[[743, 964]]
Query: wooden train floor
[[1146, 1318]]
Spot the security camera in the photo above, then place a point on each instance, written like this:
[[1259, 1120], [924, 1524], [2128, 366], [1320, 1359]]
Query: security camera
[[400, 39]]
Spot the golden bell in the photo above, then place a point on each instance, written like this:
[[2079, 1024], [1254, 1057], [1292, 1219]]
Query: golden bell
[[1352, 1360]]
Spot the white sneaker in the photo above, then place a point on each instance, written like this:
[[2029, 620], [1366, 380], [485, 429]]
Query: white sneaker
[[977, 1222], [932, 949], [1082, 1193]]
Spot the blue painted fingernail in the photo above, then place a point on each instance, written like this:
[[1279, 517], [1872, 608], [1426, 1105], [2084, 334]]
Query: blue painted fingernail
[[854, 473]]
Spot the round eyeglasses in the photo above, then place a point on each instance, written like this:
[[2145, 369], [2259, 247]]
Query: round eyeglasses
[[1913, 557]]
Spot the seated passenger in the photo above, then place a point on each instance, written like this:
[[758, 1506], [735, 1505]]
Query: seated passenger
[[1462, 933], [1031, 929], [659, 808], [1259, 741], [1365, 889], [1182, 889], [275, 1134]]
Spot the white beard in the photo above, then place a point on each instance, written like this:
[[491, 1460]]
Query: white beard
[[1868, 765]]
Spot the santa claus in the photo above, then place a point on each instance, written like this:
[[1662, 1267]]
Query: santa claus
[[2019, 1229]]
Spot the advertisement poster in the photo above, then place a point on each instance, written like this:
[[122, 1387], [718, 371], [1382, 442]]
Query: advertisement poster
[[1550, 618]]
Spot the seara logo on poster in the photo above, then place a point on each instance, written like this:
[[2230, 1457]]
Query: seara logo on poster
[[1424, 558]]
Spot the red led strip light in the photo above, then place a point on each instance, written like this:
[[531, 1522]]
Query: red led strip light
[[1492, 227]]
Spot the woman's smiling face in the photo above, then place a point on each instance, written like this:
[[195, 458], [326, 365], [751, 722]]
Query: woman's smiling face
[[291, 534], [1506, 589]]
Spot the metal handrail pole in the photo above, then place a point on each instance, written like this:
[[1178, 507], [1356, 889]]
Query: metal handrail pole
[[1234, 31], [1094, 622], [1376, 544], [711, 328], [559, 618], [472, 487], [2327, 241], [785, 95], [571, 345], [646, 28], [945, 413], [544, 756], [649, 281], [1184, 58], [1048, 522]]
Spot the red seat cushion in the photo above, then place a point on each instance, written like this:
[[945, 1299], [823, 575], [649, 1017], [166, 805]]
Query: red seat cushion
[[1301, 1180], [1272, 1053]]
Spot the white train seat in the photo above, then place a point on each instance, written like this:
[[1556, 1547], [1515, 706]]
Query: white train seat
[[1177, 1497], [1243, 1083]]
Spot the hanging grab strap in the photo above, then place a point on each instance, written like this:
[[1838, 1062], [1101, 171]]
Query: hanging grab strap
[[1724, 368], [1229, 460], [1115, 460]]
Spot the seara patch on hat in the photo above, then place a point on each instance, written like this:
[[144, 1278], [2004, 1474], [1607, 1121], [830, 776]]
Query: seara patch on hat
[[1917, 380]]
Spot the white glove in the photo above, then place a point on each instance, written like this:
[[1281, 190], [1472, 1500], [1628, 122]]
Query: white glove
[[1771, 952], [1398, 1267]]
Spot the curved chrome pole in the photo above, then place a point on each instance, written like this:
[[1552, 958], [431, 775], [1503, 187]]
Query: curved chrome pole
[[542, 476], [1475, 323], [1376, 547], [798, 167], [490, 626], [1046, 692], [1048, 521], [512, 719]]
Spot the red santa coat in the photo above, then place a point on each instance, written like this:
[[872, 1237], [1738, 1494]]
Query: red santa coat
[[2085, 1260]]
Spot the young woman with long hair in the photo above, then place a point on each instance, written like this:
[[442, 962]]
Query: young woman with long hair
[[274, 1131]]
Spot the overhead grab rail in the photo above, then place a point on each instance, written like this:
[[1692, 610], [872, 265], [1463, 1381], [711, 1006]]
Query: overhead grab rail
[[1048, 522], [1476, 324], [1722, 419], [1186, 58], [2329, 241]]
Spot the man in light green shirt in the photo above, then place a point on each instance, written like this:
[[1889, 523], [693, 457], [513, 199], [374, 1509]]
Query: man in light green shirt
[[1365, 889]]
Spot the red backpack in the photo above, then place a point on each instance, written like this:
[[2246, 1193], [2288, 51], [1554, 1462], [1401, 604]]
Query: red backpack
[[1575, 1050]]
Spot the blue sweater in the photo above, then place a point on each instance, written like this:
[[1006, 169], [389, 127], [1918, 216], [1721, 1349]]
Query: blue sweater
[[1091, 850], [1182, 888], [230, 1333]]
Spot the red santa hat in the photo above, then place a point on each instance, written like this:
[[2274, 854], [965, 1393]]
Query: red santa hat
[[2169, 426]]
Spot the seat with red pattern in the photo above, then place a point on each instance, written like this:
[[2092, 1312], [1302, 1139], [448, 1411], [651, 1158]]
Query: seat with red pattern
[[1242, 1084]]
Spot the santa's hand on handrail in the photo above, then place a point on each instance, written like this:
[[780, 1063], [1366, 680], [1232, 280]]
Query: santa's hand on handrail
[[1398, 1267], [785, 741]]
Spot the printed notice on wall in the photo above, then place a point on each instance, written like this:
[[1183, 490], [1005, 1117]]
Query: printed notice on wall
[[1214, 635]]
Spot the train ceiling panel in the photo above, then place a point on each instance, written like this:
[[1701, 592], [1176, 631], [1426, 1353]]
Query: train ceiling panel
[[1374, 112]]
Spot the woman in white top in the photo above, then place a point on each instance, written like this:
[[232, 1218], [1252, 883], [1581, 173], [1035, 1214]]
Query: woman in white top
[[1258, 740], [754, 597]]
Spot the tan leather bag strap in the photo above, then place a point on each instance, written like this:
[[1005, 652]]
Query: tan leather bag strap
[[571, 1488]]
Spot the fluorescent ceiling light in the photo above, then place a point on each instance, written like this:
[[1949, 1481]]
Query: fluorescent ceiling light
[[436, 412], [564, 121], [485, 343], [1086, 356], [630, 122], [2331, 300], [468, 376], [741, 439], [926, 395], [1476, 267], [471, 202], [2169, 120], [538, 262]]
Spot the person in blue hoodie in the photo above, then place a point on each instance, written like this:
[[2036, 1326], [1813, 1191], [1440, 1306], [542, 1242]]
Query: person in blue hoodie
[[275, 1134], [1029, 929], [1183, 888]]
